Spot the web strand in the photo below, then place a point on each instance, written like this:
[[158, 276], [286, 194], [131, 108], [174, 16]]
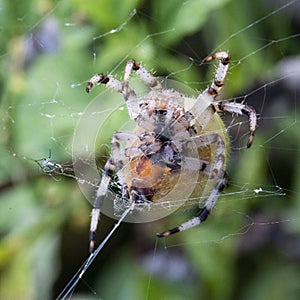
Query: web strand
[[69, 288]]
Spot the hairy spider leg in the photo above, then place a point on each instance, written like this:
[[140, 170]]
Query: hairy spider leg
[[202, 109], [134, 111], [214, 138], [219, 106], [129, 95], [209, 95], [204, 140], [239, 109], [99, 198], [204, 212], [216, 172], [150, 80], [110, 167]]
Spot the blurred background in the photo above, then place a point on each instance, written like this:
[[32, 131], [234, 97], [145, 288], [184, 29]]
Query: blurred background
[[250, 246]]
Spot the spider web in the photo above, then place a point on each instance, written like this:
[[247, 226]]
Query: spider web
[[43, 218]]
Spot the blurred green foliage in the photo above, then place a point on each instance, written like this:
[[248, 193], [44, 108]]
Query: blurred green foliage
[[249, 248]]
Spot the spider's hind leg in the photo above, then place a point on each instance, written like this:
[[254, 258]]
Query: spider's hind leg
[[204, 212], [114, 164], [108, 171], [217, 172]]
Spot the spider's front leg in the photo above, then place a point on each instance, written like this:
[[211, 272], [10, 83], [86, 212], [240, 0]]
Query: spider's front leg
[[208, 96], [216, 86], [218, 82], [122, 88], [150, 80], [238, 109]]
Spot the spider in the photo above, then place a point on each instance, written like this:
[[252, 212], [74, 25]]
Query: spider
[[169, 140], [48, 166]]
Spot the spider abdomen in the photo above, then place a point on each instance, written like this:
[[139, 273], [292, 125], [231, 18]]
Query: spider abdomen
[[152, 174]]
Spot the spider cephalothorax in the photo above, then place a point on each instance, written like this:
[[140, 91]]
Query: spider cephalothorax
[[171, 143]]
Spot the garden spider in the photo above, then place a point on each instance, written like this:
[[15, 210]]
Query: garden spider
[[164, 141]]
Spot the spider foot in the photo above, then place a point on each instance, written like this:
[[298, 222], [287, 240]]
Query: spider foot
[[223, 56], [97, 79], [187, 225], [250, 140], [92, 241], [168, 232]]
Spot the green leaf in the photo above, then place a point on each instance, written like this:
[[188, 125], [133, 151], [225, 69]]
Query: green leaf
[[182, 18]]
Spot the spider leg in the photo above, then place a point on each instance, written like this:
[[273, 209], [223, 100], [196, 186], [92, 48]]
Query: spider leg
[[239, 109], [213, 138], [121, 155], [100, 194], [209, 204], [218, 82], [110, 167], [210, 169], [217, 171], [128, 94], [196, 164], [151, 81], [209, 94], [107, 80], [127, 137]]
